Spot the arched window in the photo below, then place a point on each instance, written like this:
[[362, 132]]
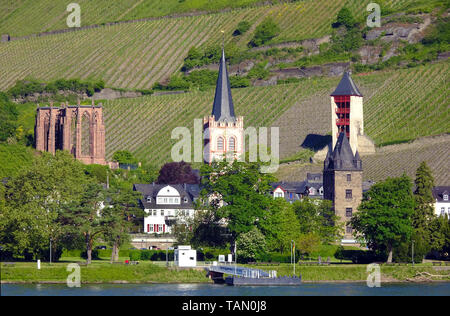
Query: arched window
[[220, 145], [86, 140], [232, 144]]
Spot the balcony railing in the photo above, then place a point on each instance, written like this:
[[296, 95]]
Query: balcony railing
[[343, 121], [342, 110]]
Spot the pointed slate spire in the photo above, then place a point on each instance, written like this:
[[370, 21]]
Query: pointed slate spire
[[223, 108], [342, 157], [346, 87]]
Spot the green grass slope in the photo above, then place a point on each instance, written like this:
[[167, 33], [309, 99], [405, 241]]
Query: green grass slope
[[398, 105], [137, 55]]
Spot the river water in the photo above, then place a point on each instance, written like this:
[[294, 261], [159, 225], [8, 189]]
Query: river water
[[306, 289]]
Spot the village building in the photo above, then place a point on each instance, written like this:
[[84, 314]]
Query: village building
[[312, 187], [223, 130], [441, 195], [166, 205]]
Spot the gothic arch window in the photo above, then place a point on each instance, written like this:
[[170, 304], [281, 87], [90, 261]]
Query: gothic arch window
[[73, 133], [220, 143], [86, 135], [46, 131], [232, 144]]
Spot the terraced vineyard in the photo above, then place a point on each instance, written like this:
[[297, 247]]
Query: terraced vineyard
[[136, 55], [23, 17], [398, 106], [144, 125], [391, 161]]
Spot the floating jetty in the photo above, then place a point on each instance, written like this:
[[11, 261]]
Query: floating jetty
[[248, 276]]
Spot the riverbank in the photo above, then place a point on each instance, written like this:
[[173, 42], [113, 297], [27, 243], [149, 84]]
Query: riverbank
[[147, 272]]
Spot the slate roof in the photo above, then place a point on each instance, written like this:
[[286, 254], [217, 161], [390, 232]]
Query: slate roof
[[342, 157], [223, 108], [346, 87], [298, 189], [439, 192], [189, 191]]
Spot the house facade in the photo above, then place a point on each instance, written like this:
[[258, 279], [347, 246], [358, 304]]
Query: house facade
[[442, 200], [166, 205]]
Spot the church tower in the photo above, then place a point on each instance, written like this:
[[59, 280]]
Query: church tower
[[342, 182], [347, 112], [224, 132]]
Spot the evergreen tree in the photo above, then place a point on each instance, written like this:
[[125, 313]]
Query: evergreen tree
[[423, 196], [119, 215], [423, 212], [85, 217]]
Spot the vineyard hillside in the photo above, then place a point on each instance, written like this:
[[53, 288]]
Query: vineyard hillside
[[24, 17], [399, 106], [139, 54], [390, 161]]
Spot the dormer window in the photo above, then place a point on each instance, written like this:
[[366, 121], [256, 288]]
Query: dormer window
[[445, 197], [149, 199], [185, 200]]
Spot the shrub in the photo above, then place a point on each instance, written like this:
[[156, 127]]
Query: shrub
[[135, 255], [94, 254], [124, 157], [344, 17], [242, 27], [259, 71], [266, 31]]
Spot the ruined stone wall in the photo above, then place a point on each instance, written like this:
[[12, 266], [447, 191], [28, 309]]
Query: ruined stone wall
[[61, 129]]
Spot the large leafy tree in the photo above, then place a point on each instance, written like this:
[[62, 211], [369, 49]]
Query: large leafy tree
[[34, 200], [384, 215], [318, 217], [177, 172], [280, 225], [236, 193], [251, 245]]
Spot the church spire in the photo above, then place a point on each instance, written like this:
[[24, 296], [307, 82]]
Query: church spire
[[223, 108]]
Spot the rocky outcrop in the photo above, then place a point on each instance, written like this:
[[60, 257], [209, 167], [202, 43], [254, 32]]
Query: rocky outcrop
[[395, 31]]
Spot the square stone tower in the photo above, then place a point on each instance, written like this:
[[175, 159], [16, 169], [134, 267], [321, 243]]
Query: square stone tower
[[342, 182]]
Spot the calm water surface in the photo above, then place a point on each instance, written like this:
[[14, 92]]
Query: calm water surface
[[306, 289]]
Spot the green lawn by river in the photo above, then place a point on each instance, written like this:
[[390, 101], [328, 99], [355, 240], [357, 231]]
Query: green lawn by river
[[101, 271]]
